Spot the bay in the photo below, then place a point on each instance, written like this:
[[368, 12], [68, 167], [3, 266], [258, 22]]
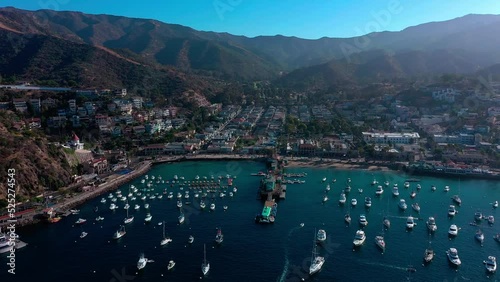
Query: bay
[[275, 252]]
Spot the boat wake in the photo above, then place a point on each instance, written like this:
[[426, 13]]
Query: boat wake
[[282, 277]]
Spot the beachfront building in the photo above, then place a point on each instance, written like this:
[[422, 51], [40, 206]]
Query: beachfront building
[[390, 138]]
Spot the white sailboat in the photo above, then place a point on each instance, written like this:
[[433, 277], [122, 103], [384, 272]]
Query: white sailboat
[[316, 261], [119, 233], [165, 240], [128, 219], [205, 266]]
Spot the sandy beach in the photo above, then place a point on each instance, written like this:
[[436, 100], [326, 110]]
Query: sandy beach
[[335, 163]]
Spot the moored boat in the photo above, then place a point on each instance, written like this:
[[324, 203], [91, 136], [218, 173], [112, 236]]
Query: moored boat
[[362, 220], [479, 236], [452, 211], [410, 222], [431, 224], [456, 199], [321, 236], [402, 204], [416, 207], [453, 231], [359, 238], [170, 265], [379, 240], [491, 264], [316, 262], [453, 257], [142, 262], [428, 255], [387, 223]]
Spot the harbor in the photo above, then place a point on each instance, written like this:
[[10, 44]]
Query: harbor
[[288, 240]]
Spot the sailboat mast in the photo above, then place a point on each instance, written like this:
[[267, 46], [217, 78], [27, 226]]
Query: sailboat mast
[[204, 254]]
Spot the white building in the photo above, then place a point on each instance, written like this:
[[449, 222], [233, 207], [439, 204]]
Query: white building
[[390, 137], [447, 95]]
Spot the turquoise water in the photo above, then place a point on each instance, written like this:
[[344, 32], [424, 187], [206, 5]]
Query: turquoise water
[[277, 252]]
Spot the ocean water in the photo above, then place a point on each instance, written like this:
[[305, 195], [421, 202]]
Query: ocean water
[[274, 252]]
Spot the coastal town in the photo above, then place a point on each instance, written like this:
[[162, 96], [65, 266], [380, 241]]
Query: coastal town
[[106, 133]]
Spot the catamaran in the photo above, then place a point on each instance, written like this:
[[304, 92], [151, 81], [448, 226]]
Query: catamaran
[[316, 262], [205, 266]]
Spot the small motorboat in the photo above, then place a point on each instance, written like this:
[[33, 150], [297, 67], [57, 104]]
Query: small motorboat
[[433, 188], [495, 204], [379, 190], [342, 199], [491, 264], [354, 202], [83, 234], [410, 222], [170, 265], [416, 207], [413, 194], [362, 220], [191, 239], [452, 211], [478, 216], [431, 224], [479, 236], [428, 255], [402, 204], [301, 225], [224, 207], [379, 240], [80, 221], [99, 218], [491, 219], [446, 188], [359, 238], [457, 199], [347, 218], [368, 202], [387, 223]]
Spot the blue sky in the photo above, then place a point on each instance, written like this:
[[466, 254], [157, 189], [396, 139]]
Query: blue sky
[[305, 18]]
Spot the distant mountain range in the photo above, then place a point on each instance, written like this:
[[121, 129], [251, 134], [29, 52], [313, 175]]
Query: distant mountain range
[[141, 48]]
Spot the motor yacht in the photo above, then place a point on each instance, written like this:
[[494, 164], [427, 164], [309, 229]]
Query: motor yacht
[[491, 264], [379, 241], [415, 207], [321, 236], [410, 222], [368, 202], [431, 224], [453, 231], [142, 262], [452, 211], [453, 256], [359, 238], [402, 204], [362, 220], [342, 198]]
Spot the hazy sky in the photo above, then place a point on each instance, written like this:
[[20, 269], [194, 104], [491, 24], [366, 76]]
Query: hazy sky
[[306, 18]]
